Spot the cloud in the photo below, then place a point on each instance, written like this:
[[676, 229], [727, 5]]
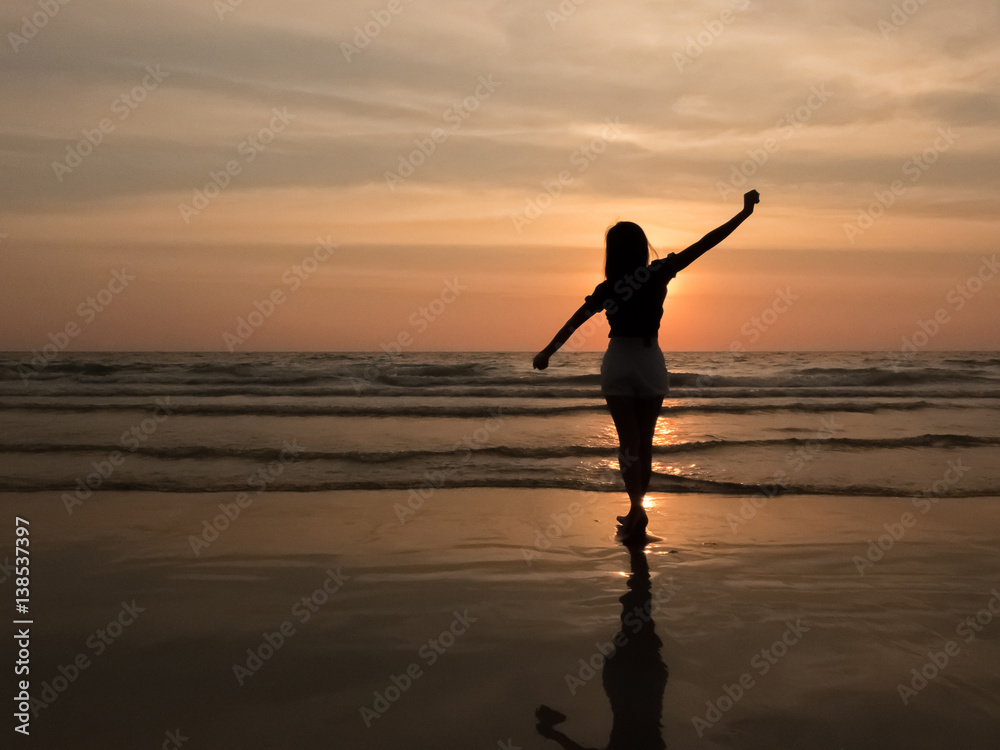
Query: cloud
[[751, 68]]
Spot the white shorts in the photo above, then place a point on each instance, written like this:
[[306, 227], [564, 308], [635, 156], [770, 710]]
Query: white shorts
[[630, 368]]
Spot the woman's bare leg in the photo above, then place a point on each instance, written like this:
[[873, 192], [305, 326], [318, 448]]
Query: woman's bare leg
[[625, 412], [648, 411], [635, 420]]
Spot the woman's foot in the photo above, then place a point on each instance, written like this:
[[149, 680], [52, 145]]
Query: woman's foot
[[634, 523]]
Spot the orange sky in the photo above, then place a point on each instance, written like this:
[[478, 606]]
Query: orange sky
[[442, 173]]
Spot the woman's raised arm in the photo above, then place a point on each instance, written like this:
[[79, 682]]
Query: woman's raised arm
[[689, 255]]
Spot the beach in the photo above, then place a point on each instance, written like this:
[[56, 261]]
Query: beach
[[427, 563], [721, 605]]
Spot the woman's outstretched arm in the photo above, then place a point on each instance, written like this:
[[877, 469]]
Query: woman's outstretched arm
[[689, 255], [580, 317]]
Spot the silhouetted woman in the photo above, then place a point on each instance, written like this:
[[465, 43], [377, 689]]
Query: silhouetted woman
[[633, 372]]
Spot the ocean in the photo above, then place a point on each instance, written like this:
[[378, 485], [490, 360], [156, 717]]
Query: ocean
[[746, 424]]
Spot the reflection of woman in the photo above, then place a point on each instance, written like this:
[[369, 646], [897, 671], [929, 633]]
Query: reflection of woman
[[634, 675], [633, 372]]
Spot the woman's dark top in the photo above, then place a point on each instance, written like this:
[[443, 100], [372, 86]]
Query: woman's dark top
[[634, 303]]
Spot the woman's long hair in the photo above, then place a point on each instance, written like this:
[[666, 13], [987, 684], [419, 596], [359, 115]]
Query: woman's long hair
[[626, 249]]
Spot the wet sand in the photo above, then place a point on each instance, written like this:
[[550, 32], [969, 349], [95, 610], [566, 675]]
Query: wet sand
[[451, 628]]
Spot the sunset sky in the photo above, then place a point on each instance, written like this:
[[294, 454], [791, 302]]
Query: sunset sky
[[350, 174]]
